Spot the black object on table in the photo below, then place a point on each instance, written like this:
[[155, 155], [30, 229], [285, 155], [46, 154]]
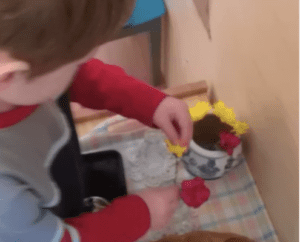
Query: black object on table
[[80, 176], [104, 175]]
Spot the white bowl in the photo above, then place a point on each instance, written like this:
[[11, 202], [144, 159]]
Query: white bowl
[[210, 164]]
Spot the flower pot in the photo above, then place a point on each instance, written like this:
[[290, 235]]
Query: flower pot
[[210, 164], [204, 159]]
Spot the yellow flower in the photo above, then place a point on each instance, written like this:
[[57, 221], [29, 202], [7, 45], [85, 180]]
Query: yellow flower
[[226, 115], [200, 110], [176, 149], [240, 127]]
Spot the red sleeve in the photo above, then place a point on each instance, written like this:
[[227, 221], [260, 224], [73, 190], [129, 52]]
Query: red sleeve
[[126, 220], [101, 86]]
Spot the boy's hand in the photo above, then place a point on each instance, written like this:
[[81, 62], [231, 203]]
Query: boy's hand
[[173, 117], [162, 203]]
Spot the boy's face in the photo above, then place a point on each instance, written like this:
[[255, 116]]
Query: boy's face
[[17, 89]]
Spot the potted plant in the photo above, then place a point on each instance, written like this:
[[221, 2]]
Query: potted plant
[[216, 146]]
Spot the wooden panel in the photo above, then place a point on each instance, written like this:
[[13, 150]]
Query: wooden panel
[[186, 90]]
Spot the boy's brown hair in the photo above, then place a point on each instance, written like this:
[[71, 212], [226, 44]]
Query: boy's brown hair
[[49, 33]]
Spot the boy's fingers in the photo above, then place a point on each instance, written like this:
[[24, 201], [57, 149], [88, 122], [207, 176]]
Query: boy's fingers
[[190, 131], [170, 131], [173, 192], [186, 127]]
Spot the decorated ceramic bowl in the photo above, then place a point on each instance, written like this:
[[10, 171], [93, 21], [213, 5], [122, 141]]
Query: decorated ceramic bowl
[[210, 164]]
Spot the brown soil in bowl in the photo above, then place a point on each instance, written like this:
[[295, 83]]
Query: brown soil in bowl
[[207, 130]]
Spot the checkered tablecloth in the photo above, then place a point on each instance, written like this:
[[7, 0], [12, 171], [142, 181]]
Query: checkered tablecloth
[[235, 204]]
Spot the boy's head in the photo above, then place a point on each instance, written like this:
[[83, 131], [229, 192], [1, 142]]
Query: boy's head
[[47, 34], [45, 31]]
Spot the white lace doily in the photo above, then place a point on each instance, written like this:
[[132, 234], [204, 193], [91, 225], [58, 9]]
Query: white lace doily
[[147, 162], [152, 165]]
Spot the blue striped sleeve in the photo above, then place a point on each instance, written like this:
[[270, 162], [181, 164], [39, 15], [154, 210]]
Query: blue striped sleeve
[[21, 216]]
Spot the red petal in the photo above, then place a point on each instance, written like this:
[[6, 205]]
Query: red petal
[[228, 141], [186, 184], [236, 142], [196, 194], [229, 151], [192, 183], [198, 181]]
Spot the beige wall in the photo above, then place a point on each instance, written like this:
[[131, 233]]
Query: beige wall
[[131, 53], [252, 61]]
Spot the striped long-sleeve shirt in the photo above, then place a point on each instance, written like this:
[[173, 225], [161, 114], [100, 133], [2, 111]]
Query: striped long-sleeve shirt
[[36, 176]]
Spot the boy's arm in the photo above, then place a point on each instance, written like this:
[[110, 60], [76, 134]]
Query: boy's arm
[[101, 86], [23, 219], [126, 220]]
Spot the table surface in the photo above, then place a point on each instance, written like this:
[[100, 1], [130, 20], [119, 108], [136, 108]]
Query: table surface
[[235, 204]]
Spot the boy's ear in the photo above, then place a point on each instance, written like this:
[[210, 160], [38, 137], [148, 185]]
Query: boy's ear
[[5, 80], [8, 71]]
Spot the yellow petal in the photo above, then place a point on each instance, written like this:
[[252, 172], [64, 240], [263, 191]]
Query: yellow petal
[[199, 110], [219, 107], [175, 149], [241, 127], [226, 114]]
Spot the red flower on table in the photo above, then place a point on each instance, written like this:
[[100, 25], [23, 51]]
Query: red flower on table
[[194, 192], [228, 141]]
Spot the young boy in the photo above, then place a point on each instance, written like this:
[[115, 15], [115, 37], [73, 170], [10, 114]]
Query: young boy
[[46, 49]]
